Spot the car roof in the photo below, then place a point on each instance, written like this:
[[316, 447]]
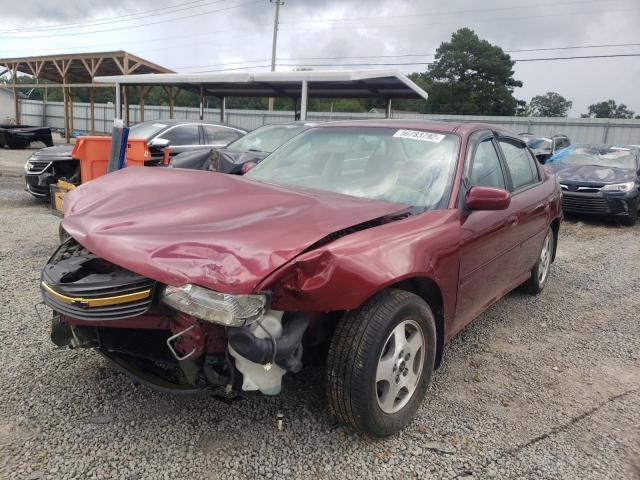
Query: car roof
[[177, 121], [461, 128]]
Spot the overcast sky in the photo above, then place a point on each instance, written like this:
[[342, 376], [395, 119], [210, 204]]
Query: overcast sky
[[214, 35]]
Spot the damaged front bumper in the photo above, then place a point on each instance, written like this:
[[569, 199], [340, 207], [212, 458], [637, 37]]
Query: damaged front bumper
[[120, 314]]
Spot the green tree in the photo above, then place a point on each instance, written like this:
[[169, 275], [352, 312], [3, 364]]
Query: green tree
[[470, 76], [523, 109], [608, 109], [551, 104]]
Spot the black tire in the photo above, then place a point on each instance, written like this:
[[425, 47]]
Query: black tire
[[535, 284], [355, 351], [631, 219]]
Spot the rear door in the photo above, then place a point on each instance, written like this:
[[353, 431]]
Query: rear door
[[183, 138], [489, 238], [531, 207]]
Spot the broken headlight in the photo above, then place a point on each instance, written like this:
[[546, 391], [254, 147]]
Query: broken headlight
[[215, 307]]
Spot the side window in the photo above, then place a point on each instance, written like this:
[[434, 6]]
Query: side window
[[182, 135], [523, 171], [220, 135], [562, 143], [485, 168]]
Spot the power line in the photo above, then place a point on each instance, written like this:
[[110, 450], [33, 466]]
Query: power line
[[99, 21], [406, 55], [223, 64], [430, 14], [199, 14], [428, 63]]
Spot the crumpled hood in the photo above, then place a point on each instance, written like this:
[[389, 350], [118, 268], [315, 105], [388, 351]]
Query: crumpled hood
[[590, 174], [220, 231], [57, 152]]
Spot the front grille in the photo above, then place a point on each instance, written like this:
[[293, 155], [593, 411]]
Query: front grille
[[38, 166], [584, 203], [81, 285]]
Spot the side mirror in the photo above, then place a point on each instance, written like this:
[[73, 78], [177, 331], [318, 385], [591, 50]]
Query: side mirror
[[158, 143], [487, 198]]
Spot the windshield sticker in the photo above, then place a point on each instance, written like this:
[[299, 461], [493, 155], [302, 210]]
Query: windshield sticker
[[418, 135]]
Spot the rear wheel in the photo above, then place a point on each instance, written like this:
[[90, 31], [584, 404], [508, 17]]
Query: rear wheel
[[380, 362], [540, 272]]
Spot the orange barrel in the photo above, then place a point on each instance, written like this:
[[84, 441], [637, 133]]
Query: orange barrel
[[137, 152], [93, 154]]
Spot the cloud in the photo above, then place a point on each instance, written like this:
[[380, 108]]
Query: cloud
[[205, 41]]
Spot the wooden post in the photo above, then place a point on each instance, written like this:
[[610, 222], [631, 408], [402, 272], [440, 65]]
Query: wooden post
[[16, 101], [172, 96], [71, 113], [222, 108], [44, 107], [92, 109], [65, 97], [141, 93]]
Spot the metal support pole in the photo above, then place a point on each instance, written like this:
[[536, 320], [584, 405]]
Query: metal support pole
[[223, 107], [303, 101], [201, 103], [126, 105], [388, 111], [274, 43], [118, 112]]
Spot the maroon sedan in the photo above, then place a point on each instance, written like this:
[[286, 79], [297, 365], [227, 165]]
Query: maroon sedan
[[367, 245]]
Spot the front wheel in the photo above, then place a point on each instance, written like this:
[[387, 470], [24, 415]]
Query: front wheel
[[540, 272], [380, 362]]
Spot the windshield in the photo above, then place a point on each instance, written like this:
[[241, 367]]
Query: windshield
[[146, 129], [266, 139], [601, 156], [401, 166], [540, 144]]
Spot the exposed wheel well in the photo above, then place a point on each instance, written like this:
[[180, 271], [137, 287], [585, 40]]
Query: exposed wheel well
[[429, 291]]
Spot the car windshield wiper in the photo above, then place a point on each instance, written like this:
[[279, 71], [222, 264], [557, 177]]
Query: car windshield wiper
[[256, 150]]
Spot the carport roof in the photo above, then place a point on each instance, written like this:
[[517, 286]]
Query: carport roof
[[81, 68], [320, 84]]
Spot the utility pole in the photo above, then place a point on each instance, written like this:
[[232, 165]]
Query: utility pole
[[274, 42]]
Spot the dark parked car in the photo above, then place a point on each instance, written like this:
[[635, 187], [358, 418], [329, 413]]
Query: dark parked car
[[45, 167], [21, 136], [244, 153], [599, 179], [369, 244], [545, 147]]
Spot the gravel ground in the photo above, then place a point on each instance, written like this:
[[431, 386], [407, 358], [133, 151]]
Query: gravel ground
[[537, 387]]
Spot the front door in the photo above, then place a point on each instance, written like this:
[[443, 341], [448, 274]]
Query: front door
[[489, 238]]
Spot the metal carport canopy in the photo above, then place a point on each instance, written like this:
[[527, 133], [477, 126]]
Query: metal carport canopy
[[385, 84]]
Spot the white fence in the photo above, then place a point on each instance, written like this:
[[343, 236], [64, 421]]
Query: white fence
[[579, 130]]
